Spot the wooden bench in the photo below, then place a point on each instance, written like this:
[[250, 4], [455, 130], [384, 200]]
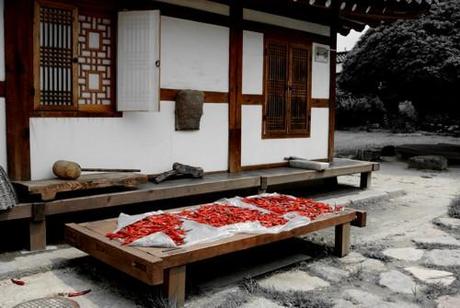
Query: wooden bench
[[166, 266], [261, 180]]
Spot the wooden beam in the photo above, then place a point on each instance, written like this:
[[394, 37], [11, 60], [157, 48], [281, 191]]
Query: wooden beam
[[235, 86], [320, 103], [19, 86], [332, 92], [253, 99], [209, 96]]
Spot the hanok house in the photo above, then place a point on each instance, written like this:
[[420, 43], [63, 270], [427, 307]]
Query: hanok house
[[95, 81]]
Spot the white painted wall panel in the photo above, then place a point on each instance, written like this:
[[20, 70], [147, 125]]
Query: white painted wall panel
[[138, 81], [141, 140], [2, 43], [253, 62], [194, 55], [320, 76], [256, 150], [3, 161], [202, 5]]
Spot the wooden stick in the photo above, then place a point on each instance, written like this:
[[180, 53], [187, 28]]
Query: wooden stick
[[109, 170]]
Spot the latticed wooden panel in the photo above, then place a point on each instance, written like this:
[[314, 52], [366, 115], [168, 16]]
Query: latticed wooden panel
[[95, 60], [56, 55], [299, 88], [277, 77]]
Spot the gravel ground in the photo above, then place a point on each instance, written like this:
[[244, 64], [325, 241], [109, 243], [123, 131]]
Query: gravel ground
[[347, 142]]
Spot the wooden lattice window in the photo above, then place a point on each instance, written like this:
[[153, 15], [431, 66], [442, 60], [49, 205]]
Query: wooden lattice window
[[74, 59], [287, 89]]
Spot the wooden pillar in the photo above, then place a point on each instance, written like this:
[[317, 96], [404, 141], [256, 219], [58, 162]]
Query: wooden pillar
[[342, 239], [365, 180], [235, 86], [174, 286], [332, 91], [19, 84]]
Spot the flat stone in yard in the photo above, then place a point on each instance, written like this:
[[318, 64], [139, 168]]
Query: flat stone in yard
[[447, 222], [405, 254], [358, 298], [353, 257], [212, 300], [437, 237], [448, 301], [258, 302], [443, 257], [397, 282], [433, 162], [368, 265], [293, 281], [431, 276], [328, 272]]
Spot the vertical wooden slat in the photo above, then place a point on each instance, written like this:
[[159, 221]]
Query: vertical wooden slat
[[332, 92], [18, 21], [235, 85]]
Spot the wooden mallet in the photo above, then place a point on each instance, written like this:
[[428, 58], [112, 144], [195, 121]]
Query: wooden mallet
[[69, 170]]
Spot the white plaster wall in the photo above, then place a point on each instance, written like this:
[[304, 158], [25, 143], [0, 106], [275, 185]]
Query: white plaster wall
[[253, 62], [3, 161], [255, 150], [320, 76], [143, 140], [194, 55]]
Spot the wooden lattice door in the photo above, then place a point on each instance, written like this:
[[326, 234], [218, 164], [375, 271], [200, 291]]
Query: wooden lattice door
[[287, 71]]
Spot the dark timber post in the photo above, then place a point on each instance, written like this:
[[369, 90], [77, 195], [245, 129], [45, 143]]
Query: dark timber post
[[235, 85]]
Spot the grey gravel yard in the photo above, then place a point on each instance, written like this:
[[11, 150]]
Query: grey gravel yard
[[407, 256]]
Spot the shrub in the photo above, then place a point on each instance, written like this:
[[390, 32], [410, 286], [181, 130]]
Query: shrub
[[454, 208], [361, 110]]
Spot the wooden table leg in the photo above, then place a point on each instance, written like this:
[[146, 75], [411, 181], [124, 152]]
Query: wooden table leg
[[365, 180], [174, 286], [342, 239]]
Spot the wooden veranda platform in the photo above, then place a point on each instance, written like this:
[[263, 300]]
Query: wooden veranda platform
[[36, 213], [167, 266]]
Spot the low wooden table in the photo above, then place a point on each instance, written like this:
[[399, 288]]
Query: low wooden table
[[156, 266]]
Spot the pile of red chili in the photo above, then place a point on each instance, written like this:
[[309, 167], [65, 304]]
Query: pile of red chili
[[282, 204], [169, 224], [218, 215]]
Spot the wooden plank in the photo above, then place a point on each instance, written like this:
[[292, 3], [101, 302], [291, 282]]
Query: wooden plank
[[332, 91], [299, 175], [264, 166], [361, 219], [175, 286], [49, 188], [209, 96], [320, 103], [253, 99], [2, 89], [129, 260], [365, 180], [235, 86], [153, 192], [19, 86], [21, 211], [342, 239]]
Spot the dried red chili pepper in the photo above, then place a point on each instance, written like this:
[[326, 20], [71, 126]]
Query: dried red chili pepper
[[169, 224], [219, 215], [18, 281], [282, 204]]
